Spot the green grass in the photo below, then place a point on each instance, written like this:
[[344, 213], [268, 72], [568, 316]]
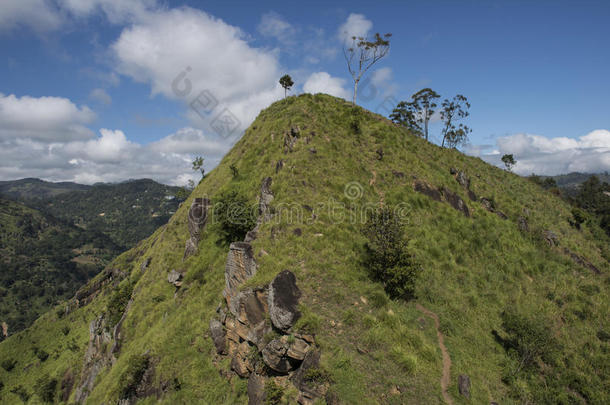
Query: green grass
[[473, 268]]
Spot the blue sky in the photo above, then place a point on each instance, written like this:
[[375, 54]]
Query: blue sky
[[86, 85]]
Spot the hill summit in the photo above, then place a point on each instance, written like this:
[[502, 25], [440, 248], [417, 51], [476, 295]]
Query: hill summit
[[258, 289]]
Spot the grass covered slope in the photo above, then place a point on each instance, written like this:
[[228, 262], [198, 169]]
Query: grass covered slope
[[490, 284]]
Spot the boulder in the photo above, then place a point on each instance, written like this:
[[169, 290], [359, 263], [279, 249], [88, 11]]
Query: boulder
[[464, 385], [241, 363], [472, 195], [174, 277], [256, 389], [488, 204], [422, 187], [309, 390], [456, 201], [274, 356], [145, 264], [283, 300], [453, 171], [240, 267], [218, 336], [298, 349], [501, 215]]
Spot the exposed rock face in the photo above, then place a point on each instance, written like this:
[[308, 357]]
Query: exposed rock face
[[397, 174], [501, 215], [283, 300], [472, 195], [264, 208], [279, 165], [197, 219], [463, 179], [464, 385], [239, 268], [487, 204], [95, 358], [455, 201], [218, 336], [256, 389], [290, 139], [422, 187], [145, 264], [274, 356], [581, 261], [309, 390], [87, 293]]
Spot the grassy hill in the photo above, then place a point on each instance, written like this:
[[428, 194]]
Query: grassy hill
[[44, 261], [510, 295]]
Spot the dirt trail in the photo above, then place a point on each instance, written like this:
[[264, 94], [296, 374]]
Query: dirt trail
[[446, 377]]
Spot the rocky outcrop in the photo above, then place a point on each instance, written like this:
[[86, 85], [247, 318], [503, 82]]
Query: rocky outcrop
[[256, 389], [550, 238], [197, 219], [455, 201], [283, 300], [581, 261], [96, 358], [422, 187], [240, 267], [86, 294], [463, 179], [490, 206], [522, 224], [290, 139], [264, 208], [464, 385], [309, 380], [145, 264]]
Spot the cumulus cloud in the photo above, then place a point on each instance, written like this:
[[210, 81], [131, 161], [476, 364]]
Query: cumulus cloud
[[109, 157], [44, 119], [117, 11], [183, 52], [550, 156], [322, 82], [356, 25], [101, 96]]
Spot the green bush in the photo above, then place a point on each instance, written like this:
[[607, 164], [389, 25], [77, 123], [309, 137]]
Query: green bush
[[387, 257], [21, 393], [45, 388], [118, 303], [273, 393], [8, 364], [40, 353], [234, 215], [132, 376]]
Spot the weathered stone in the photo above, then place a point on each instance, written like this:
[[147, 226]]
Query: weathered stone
[[488, 204], [297, 231], [274, 356], [398, 174], [463, 179], [523, 225], [550, 238], [197, 219], [290, 139], [313, 151], [298, 349], [309, 390], [240, 267], [453, 170], [472, 195], [422, 187], [283, 300], [581, 261], [241, 363], [218, 336], [501, 215], [174, 277], [256, 389], [464, 385], [264, 209], [455, 201], [279, 165]]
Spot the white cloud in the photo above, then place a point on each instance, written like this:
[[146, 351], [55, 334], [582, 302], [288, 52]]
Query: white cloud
[[182, 52], [322, 82], [39, 15], [549, 156], [101, 96], [117, 11], [356, 25], [110, 157], [44, 119], [273, 25]]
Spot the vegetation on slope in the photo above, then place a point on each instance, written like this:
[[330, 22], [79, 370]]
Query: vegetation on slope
[[489, 283], [27, 189], [44, 261]]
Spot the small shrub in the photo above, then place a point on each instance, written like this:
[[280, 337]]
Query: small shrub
[[378, 299], [317, 375], [235, 216], [9, 364], [273, 393], [132, 376], [387, 258], [118, 303], [21, 393], [578, 217], [45, 388], [65, 330], [234, 171], [40, 353]]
